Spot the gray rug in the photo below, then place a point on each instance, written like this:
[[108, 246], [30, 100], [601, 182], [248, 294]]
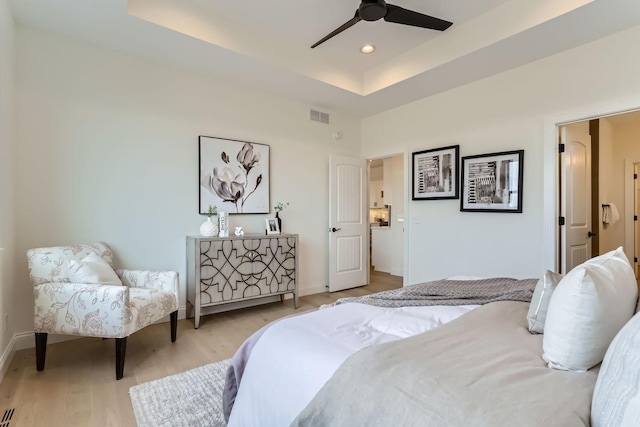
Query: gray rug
[[192, 398]]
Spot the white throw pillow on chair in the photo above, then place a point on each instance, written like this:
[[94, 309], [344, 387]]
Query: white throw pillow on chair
[[92, 269], [587, 309]]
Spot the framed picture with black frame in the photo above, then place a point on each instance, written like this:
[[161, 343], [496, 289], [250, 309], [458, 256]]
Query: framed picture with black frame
[[435, 173], [492, 182]]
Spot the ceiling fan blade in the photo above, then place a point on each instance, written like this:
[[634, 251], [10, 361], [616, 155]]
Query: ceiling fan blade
[[399, 15], [340, 29]]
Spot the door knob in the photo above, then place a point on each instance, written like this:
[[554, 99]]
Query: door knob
[[590, 234], [333, 230]]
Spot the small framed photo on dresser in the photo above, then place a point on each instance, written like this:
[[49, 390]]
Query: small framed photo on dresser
[[271, 225]]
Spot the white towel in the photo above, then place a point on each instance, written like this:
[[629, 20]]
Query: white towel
[[610, 214]]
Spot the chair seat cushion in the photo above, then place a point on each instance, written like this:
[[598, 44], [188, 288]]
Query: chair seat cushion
[[148, 306]]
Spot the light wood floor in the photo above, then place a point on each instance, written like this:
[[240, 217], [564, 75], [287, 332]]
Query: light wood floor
[[78, 386]]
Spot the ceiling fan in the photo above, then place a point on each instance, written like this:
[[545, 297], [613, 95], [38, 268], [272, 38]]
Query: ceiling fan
[[372, 10]]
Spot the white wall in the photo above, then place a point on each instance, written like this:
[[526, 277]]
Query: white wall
[[504, 112], [108, 150], [7, 282]]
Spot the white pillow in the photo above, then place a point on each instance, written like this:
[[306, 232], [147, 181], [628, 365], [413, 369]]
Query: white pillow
[[540, 301], [616, 398], [587, 309], [92, 269]]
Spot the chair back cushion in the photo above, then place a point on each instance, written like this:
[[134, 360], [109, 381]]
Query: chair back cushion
[[50, 264]]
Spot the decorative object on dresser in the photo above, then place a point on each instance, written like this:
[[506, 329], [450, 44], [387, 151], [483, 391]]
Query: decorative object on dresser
[[435, 173], [210, 228], [272, 226], [234, 175], [279, 207], [228, 270], [223, 218], [239, 231], [77, 292], [492, 182]]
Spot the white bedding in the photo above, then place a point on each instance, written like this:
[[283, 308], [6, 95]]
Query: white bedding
[[296, 356]]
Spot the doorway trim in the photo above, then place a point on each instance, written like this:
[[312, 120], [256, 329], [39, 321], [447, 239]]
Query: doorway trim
[[629, 210], [551, 176]]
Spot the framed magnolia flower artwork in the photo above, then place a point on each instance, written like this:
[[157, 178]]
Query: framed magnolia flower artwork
[[234, 176]]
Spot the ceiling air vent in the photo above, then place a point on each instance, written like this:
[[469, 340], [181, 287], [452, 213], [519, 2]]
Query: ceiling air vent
[[319, 116]]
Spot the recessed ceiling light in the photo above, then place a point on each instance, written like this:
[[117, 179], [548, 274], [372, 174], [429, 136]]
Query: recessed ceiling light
[[367, 48]]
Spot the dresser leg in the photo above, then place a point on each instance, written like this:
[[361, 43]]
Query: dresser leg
[[295, 300]]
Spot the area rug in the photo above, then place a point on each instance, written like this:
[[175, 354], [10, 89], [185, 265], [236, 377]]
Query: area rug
[[192, 398]]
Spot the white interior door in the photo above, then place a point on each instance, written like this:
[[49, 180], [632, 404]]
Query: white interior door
[[348, 223], [576, 188]]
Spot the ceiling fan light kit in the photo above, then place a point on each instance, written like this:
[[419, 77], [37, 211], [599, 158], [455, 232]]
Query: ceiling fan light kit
[[372, 10]]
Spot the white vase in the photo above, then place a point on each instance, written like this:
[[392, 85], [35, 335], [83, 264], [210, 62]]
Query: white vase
[[209, 228]]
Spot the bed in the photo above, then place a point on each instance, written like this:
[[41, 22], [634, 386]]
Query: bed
[[464, 358]]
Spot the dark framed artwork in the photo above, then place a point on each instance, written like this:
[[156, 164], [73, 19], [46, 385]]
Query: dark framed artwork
[[234, 176], [435, 173], [492, 182]]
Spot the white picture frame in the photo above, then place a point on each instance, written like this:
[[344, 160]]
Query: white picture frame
[[271, 225]]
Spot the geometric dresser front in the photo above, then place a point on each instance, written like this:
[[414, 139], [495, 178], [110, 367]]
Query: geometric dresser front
[[223, 270]]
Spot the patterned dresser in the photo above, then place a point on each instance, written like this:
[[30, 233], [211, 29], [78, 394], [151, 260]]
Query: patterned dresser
[[223, 270]]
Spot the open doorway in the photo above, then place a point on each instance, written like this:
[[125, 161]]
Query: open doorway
[[607, 197], [386, 214]]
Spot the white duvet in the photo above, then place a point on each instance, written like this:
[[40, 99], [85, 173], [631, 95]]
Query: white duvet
[[296, 356]]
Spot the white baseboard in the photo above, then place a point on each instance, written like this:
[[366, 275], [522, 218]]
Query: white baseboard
[[7, 356], [396, 272], [314, 289], [17, 342]]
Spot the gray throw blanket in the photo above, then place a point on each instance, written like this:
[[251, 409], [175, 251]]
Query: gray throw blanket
[[451, 292]]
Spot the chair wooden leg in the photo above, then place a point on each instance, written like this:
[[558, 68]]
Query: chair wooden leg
[[174, 325], [121, 350], [41, 350]]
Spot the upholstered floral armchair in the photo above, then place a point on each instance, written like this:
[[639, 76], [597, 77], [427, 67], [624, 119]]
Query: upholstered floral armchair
[[77, 292]]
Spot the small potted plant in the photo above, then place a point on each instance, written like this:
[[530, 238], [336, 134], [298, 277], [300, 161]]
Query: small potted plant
[[279, 207], [210, 228]]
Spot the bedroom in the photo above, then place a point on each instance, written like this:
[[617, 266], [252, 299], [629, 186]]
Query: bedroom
[[104, 139]]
